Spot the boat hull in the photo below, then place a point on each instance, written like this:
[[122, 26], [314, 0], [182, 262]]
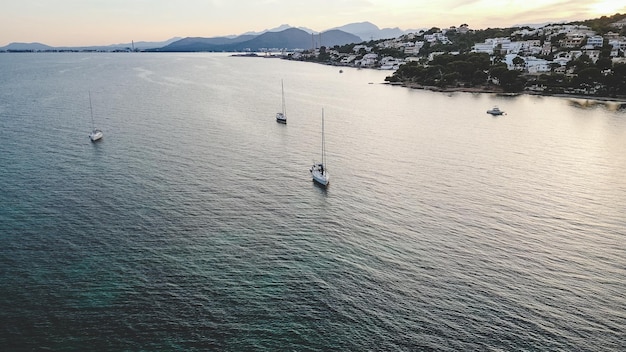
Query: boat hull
[[319, 176], [281, 118], [495, 111], [95, 135]]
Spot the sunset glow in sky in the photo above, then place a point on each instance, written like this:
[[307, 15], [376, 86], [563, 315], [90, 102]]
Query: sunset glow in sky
[[103, 22]]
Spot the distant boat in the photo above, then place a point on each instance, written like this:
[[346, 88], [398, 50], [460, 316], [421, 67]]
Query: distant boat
[[495, 111], [281, 117], [319, 171], [95, 134]]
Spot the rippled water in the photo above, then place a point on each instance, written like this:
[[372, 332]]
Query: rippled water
[[194, 223]]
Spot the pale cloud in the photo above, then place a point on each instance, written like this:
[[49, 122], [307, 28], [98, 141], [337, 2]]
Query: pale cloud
[[85, 22]]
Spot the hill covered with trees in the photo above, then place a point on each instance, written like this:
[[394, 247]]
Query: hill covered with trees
[[582, 58]]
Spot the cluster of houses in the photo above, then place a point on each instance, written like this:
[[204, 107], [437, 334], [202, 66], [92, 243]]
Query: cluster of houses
[[573, 41], [577, 40]]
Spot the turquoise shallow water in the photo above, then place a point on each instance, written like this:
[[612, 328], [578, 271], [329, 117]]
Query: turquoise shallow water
[[194, 224]]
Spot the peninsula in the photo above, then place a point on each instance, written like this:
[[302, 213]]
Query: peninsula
[[580, 58]]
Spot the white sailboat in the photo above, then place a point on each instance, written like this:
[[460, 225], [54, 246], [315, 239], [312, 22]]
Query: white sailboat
[[281, 117], [319, 172], [95, 134]]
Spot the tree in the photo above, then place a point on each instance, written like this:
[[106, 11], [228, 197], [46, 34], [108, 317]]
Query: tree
[[518, 62], [464, 69], [393, 52], [425, 50], [348, 48], [557, 38], [480, 61], [581, 63], [497, 71], [616, 81], [324, 55], [479, 77], [606, 49], [512, 81], [604, 63], [589, 76], [433, 30]]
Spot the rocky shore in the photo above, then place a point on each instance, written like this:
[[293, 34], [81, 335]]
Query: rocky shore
[[582, 100]]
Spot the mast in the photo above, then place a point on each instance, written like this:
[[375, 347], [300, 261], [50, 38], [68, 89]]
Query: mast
[[93, 125], [323, 142], [282, 87]]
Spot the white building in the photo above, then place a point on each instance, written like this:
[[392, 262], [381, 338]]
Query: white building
[[358, 48], [594, 55], [432, 55], [561, 61], [617, 44], [595, 41], [437, 37], [411, 48], [504, 45], [368, 60], [537, 66], [531, 64], [390, 63], [348, 59]]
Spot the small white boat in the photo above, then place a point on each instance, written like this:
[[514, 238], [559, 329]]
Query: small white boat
[[495, 111], [318, 170], [95, 134], [281, 117]]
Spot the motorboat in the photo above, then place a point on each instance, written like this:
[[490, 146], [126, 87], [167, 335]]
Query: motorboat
[[495, 111]]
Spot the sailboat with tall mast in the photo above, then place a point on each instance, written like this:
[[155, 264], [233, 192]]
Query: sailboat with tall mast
[[319, 171], [281, 117], [95, 134]]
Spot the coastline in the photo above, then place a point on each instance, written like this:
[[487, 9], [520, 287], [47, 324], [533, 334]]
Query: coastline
[[582, 100], [491, 89]]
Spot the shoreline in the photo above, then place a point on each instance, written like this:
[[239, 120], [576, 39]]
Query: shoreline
[[621, 100], [587, 100]]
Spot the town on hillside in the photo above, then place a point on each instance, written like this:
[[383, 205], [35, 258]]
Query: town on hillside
[[584, 58]]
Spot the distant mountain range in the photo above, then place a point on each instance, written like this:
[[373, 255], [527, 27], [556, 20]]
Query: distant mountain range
[[280, 28], [291, 38], [282, 37], [42, 47], [27, 46], [368, 31], [364, 30]]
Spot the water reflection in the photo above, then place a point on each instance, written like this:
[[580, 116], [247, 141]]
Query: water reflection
[[586, 103]]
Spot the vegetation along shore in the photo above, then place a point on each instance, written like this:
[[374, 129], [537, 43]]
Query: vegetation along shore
[[584, 59]]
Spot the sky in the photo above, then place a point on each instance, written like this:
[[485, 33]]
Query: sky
[[104, 22]]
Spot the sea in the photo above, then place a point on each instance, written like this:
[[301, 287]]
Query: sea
[[194, 224]]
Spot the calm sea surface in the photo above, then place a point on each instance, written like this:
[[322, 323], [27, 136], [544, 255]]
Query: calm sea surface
[[194, 223]]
